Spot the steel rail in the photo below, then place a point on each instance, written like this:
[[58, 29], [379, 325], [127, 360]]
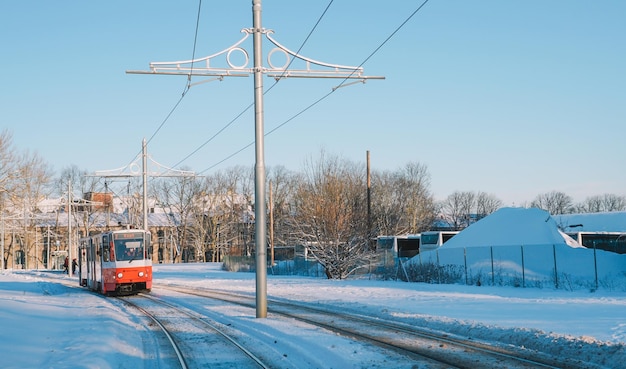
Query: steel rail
[[204, 321], [179, 354], [494, 351]]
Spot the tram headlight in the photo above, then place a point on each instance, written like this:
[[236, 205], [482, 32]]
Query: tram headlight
[[141, 274], [120, 275]]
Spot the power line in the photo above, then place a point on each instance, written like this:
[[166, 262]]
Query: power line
[[187, 85], [329, 93], [388, 38], [214, 136], [252, 104], [301, 46], [271, 131]]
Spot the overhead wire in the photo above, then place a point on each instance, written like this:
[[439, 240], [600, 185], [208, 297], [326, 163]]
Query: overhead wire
[[329, 93], [279, 78], [183, 94], [187, 84], [384, 42], [252, 104], [109, 189]]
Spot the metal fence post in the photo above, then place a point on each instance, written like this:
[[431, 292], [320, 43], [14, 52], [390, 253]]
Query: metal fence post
[[438, 267], [493, 274], [465, 262], [523, 268], [556, 273], [595, 264]]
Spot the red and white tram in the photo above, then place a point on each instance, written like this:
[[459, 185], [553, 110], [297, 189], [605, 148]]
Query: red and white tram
[[116, 262]]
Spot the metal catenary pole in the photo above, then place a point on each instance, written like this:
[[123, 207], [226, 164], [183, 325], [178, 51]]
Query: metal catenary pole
[[202, 67], [2, 229], [69, 227], [144, 177], [259, 173], [128, 172]]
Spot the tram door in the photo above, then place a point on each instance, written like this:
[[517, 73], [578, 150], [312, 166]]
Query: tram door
[[82, 261], [88, 263], [91, 257], [97, 264]]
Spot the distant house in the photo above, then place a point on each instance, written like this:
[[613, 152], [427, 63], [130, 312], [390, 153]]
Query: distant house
[[614, 221], [33, 239], [102, 201], [604, 231]]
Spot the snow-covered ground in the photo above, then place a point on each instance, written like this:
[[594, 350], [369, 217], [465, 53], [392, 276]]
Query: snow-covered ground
[[48, 325]]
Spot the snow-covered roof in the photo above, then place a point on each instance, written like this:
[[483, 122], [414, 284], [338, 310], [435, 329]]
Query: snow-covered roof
[[614, 221], [512, 227], [101, 219]]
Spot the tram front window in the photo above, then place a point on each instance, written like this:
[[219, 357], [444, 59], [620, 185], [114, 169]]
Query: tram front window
[[128, 250]]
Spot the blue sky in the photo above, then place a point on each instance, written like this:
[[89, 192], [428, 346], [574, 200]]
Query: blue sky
[[509, 98]]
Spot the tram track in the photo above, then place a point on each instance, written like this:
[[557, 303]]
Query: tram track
[[177, 351], [413, 342], [187, 342], [190, 333]]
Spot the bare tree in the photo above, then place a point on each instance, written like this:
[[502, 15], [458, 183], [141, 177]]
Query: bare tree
[[486, 204], [415, 180], [31, 184], [463, 208], [283, 186], [178, 194], [7, 161], [80, 182], [601, 203], [24, 181], [457, 207], [8, 174], [216, 216], [224, 223], [203, 225], [237, 232], [387, 204], [554, 203], [330, 215], [402, 202]]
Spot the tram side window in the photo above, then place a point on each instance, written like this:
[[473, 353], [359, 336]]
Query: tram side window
[[106, 253]]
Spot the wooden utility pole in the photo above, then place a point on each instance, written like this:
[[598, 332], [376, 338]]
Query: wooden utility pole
[[369, 197]]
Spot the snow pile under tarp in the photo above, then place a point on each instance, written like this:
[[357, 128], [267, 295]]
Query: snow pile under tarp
[[512, 227]]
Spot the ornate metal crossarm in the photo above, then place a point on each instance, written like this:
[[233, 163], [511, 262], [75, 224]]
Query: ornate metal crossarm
[[134, 170], [207, 66]]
